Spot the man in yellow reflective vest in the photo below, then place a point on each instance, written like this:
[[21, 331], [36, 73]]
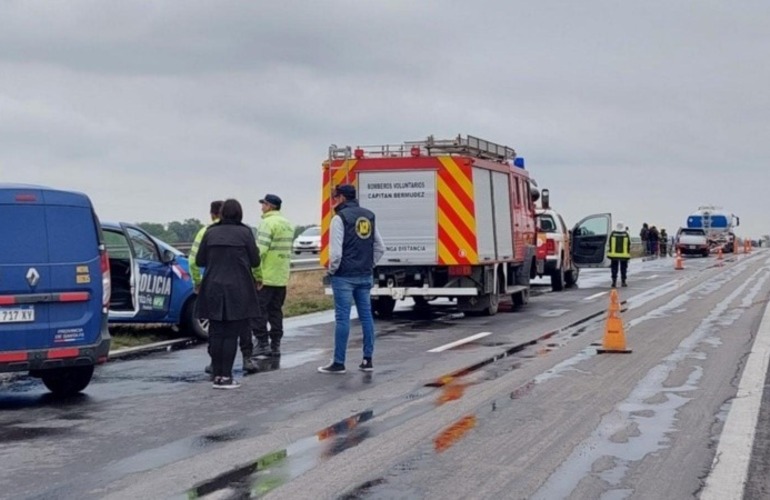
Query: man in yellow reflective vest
[[274, 239], [620, 253]]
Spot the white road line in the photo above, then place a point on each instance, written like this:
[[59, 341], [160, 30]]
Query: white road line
[[590, 297], [460, 342], [730, 468]]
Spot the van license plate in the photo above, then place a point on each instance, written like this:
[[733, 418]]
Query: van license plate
[[17, 315]]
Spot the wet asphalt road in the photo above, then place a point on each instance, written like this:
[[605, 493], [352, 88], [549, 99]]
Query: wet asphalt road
[[547, 419]]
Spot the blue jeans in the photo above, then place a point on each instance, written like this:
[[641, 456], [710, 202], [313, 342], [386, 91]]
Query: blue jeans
[[349, 289]]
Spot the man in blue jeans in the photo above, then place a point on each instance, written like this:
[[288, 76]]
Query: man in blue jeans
[[355, 246]]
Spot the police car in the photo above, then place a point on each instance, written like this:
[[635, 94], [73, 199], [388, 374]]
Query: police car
[[151, 280]]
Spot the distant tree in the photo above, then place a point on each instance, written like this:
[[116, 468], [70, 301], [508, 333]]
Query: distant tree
[[156, 229], [173, 232], [184, 231]]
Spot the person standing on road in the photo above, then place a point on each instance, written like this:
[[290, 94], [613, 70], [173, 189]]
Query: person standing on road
[[654, 239], [619, 254], [228, 292], [663, 243], [195, 271], [274, 239], [355, 246], [196, 275], [644, 234]]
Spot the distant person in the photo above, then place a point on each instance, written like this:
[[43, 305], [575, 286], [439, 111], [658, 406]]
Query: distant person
[[644, 234], [619, 254], [228, 292], [654, 240], [663, 243], [274, 239], [355, 247]]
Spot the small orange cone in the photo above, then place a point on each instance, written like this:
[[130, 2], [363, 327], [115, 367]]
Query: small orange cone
[[678, 263], [719, 253], [614, 336]]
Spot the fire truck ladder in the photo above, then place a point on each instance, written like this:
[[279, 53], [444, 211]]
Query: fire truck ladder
[[471, 146], [341, 156]]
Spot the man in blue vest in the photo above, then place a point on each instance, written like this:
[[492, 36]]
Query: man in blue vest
[[620, 253], [355, 246]]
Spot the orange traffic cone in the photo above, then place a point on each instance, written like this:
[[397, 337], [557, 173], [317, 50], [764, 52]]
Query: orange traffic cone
[[678, 263], [748, 246], [614, 336], [719, 253]]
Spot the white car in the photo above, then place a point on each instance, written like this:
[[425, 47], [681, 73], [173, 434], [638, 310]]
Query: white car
[[308, 241], [554, 251]]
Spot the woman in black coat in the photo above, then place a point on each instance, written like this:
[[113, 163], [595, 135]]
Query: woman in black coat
[[228, 293]]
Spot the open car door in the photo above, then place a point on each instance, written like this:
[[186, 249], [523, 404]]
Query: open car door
[[589, 241]]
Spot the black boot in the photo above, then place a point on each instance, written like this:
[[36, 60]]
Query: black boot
[[263, 346], [248, 364], [613, 284], [275, 347]]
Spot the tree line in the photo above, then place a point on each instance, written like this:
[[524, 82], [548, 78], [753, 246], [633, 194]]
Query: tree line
[[185, 231]]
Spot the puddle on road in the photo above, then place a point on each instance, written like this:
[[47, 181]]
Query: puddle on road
[[275, 469]]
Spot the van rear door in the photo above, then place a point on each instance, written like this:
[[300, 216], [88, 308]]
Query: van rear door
[[50, 270]]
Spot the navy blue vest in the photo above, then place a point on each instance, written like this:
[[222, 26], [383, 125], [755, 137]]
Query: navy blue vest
[[358, 242]]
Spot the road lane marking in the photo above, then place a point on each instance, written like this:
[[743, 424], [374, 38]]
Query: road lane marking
[[460, 342], [730, 468], [590, 297]]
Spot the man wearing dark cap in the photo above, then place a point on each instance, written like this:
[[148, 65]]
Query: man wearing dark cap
[[274, 240], [355, 246]]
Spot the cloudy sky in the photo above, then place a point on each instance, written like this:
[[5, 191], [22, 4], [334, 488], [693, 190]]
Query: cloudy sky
[[644, 109]]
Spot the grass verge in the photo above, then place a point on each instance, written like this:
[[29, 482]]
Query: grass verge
[[305, 294]]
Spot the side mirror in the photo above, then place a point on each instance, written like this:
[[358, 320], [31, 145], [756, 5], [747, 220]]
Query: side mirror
[[546, 199], [168, 257]]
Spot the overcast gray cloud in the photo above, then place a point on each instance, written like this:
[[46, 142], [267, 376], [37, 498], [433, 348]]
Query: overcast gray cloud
[[645, 109]]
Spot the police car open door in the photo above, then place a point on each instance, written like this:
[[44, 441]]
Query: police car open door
[[151, 276], [589, 241]]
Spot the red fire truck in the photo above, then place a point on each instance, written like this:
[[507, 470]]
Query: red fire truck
[[457, 217]]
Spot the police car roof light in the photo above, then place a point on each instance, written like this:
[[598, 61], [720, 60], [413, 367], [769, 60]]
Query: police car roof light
[[518, 162]]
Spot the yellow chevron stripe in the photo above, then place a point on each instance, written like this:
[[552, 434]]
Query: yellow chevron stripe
[[336, 177], [444, 255], [448, 226], [456, 172], [465, 216]]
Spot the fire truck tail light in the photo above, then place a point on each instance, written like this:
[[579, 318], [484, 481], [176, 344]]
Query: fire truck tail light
[[460, 270]]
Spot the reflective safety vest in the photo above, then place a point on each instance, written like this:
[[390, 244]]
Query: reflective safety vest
[[196, 273], [274, 239], [620, 245]]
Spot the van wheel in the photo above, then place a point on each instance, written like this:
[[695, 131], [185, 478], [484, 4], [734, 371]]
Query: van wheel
[[383, 306], [67, 381], [571, 277], [557, 280], [193, 325]]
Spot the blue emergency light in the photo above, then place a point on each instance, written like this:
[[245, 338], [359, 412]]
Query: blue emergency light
[[518, 162]]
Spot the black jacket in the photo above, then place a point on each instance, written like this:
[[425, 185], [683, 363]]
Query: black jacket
[[228, 251]]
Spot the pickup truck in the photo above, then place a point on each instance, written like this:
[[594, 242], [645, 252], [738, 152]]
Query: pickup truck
[[554, 252], [692, 241]]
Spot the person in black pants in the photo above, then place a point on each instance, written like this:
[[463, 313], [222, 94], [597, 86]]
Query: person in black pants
[[228, 293]]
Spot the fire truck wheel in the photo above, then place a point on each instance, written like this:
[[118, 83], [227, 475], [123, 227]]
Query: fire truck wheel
[[520, 299], [494, 304], [383, 306]]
